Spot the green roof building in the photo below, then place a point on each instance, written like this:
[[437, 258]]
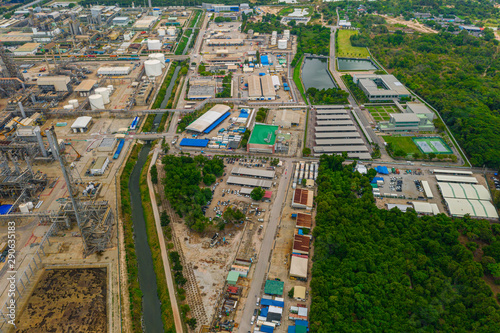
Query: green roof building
[[263, 139], [274, 287], [232, 277]]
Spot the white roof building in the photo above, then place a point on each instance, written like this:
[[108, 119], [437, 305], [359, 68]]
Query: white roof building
[[475, 208], [123, 70], [208, 118], [81, 124], [298, 267], [456, 179], [425, 208], [464, 191]]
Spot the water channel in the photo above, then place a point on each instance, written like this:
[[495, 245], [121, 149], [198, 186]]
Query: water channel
[[151, 306], [315, 74], [170, 87], [345, 64]]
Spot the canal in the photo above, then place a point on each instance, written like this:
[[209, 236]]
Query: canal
[[346, 64], [151, 307], [170, 87], [315, 74]]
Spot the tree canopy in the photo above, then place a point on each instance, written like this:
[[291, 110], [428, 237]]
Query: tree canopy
[[257, 193]]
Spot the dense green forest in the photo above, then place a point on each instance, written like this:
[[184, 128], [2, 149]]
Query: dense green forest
[[327, 96], [460, 76], [388, 271], [183, 176]]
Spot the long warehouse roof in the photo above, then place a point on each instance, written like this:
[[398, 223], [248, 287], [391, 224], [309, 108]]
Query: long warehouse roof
[[475, 208], [267, 86], [326, 135], [252, 182], [253, 172], [330, 111], [334, 122], [338, 142], [208, 118], [332, 117], [339, 149], [464, 191], [453, 172], [456, 179], [335, 128]]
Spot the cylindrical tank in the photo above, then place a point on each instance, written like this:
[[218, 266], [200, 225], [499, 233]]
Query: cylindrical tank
[[171, 31], [161, 32], [158, 56], [73, 102], [154, 44], [282, 44], [286, 34], [96, 102], [104, 92], [68, 107], [153, 67]]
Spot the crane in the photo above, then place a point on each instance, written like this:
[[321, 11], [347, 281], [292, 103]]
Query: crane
[[78, 156]]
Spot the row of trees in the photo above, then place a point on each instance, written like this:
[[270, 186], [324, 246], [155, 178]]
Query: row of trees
[[388, 271]]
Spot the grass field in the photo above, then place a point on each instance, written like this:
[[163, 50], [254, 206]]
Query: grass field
[[382, 112], [297, 80], [346, 49], [404, 143]]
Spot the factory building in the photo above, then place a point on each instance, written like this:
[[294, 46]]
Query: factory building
[[302, 199], [381, 87], [86, 87], [250, 182], [54, 83], [253, 173], [261, 88], [121, 20], [81, 124], [122, 70], [145, 23], [212, 116], [27, 49], [263, 139], [99, 166]]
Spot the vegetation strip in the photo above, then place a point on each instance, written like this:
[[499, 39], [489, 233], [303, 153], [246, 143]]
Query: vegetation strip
[[297, 79], [154, 244], [164, 86]]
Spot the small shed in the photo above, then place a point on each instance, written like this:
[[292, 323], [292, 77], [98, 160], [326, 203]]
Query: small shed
[[99, 166], [86, 88], [81, 124], [299, 292], [232, 277], [274, 287]]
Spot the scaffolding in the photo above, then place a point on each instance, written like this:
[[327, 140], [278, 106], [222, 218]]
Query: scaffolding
[[17, 182], [11, 68], [94, 218]]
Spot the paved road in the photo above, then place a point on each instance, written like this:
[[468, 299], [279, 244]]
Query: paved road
[[166, 264], [265, 250]]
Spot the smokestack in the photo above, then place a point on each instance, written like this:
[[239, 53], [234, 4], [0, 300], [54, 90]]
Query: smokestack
[[22, 109], [40, 141]]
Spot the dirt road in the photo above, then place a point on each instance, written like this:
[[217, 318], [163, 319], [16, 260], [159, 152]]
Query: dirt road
[[410, 24]]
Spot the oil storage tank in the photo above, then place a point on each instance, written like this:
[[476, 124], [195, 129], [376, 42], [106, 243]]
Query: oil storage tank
[[96, 102], [104, 92], [153, 67]]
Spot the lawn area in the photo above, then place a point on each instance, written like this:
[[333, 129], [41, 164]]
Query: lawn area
[[382, 112], [345, 49], [297, 80], [404, 143]]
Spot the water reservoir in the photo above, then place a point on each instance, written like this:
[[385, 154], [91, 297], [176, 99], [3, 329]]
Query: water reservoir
[[345, 64], [315, 74]]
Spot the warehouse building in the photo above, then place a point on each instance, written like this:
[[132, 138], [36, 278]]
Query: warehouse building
[[464, 191], [249, 182], [337, 135], [330, 110], [201, 91], [27, 49], [268, 91], [261, 88], [334, 123], [225, 42], [335, 128], [263, 139], [475, 208], [425, 208], [81, 124], [333, 116], [145, 23], [301, 244], [107, 145], [339, 142], [54, 83], [123, 70], [456, 179], [381, 87], [99, 166], [452, 172], [253, 173], [298, 267], [215, 115], [287, 118], [360, 152], [86, 88], [302, 199], [304, 220]]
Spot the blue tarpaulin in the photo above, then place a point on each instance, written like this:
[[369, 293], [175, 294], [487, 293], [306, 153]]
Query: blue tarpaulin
[[374, 180], [243, 113], [264, 60], [382, 169], [194, 142], [263, 311], [4, 209], [266, 301], [291, 329], [266, 329], [217, 122]]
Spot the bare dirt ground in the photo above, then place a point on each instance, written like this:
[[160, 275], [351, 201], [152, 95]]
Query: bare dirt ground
[[67, 300], [410, 24], [271, 10]]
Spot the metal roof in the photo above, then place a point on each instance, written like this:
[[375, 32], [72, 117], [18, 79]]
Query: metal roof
[[425, 207], [338, 142], [298, 267], [453, 172], [304, 220], [427, 189], [339, 149], [475, 208], [253, 172], [82, 122], [201, 143], [301, 243], [86, 85], [332, 117], [464, 191], [208, 118], [334, 122], [251, 182], [267, 86], [330, 111], [254, 86], [456, 179], [335, 128], [328, 135]]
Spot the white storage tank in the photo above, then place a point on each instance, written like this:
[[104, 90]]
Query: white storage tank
[[68, 107], [158, 56], [24, 208], [96, 102], [153, 67], [161, 32], [73, 102], [286, 34], [171, 31], [104, 92], [154, 44], [282, 43]]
